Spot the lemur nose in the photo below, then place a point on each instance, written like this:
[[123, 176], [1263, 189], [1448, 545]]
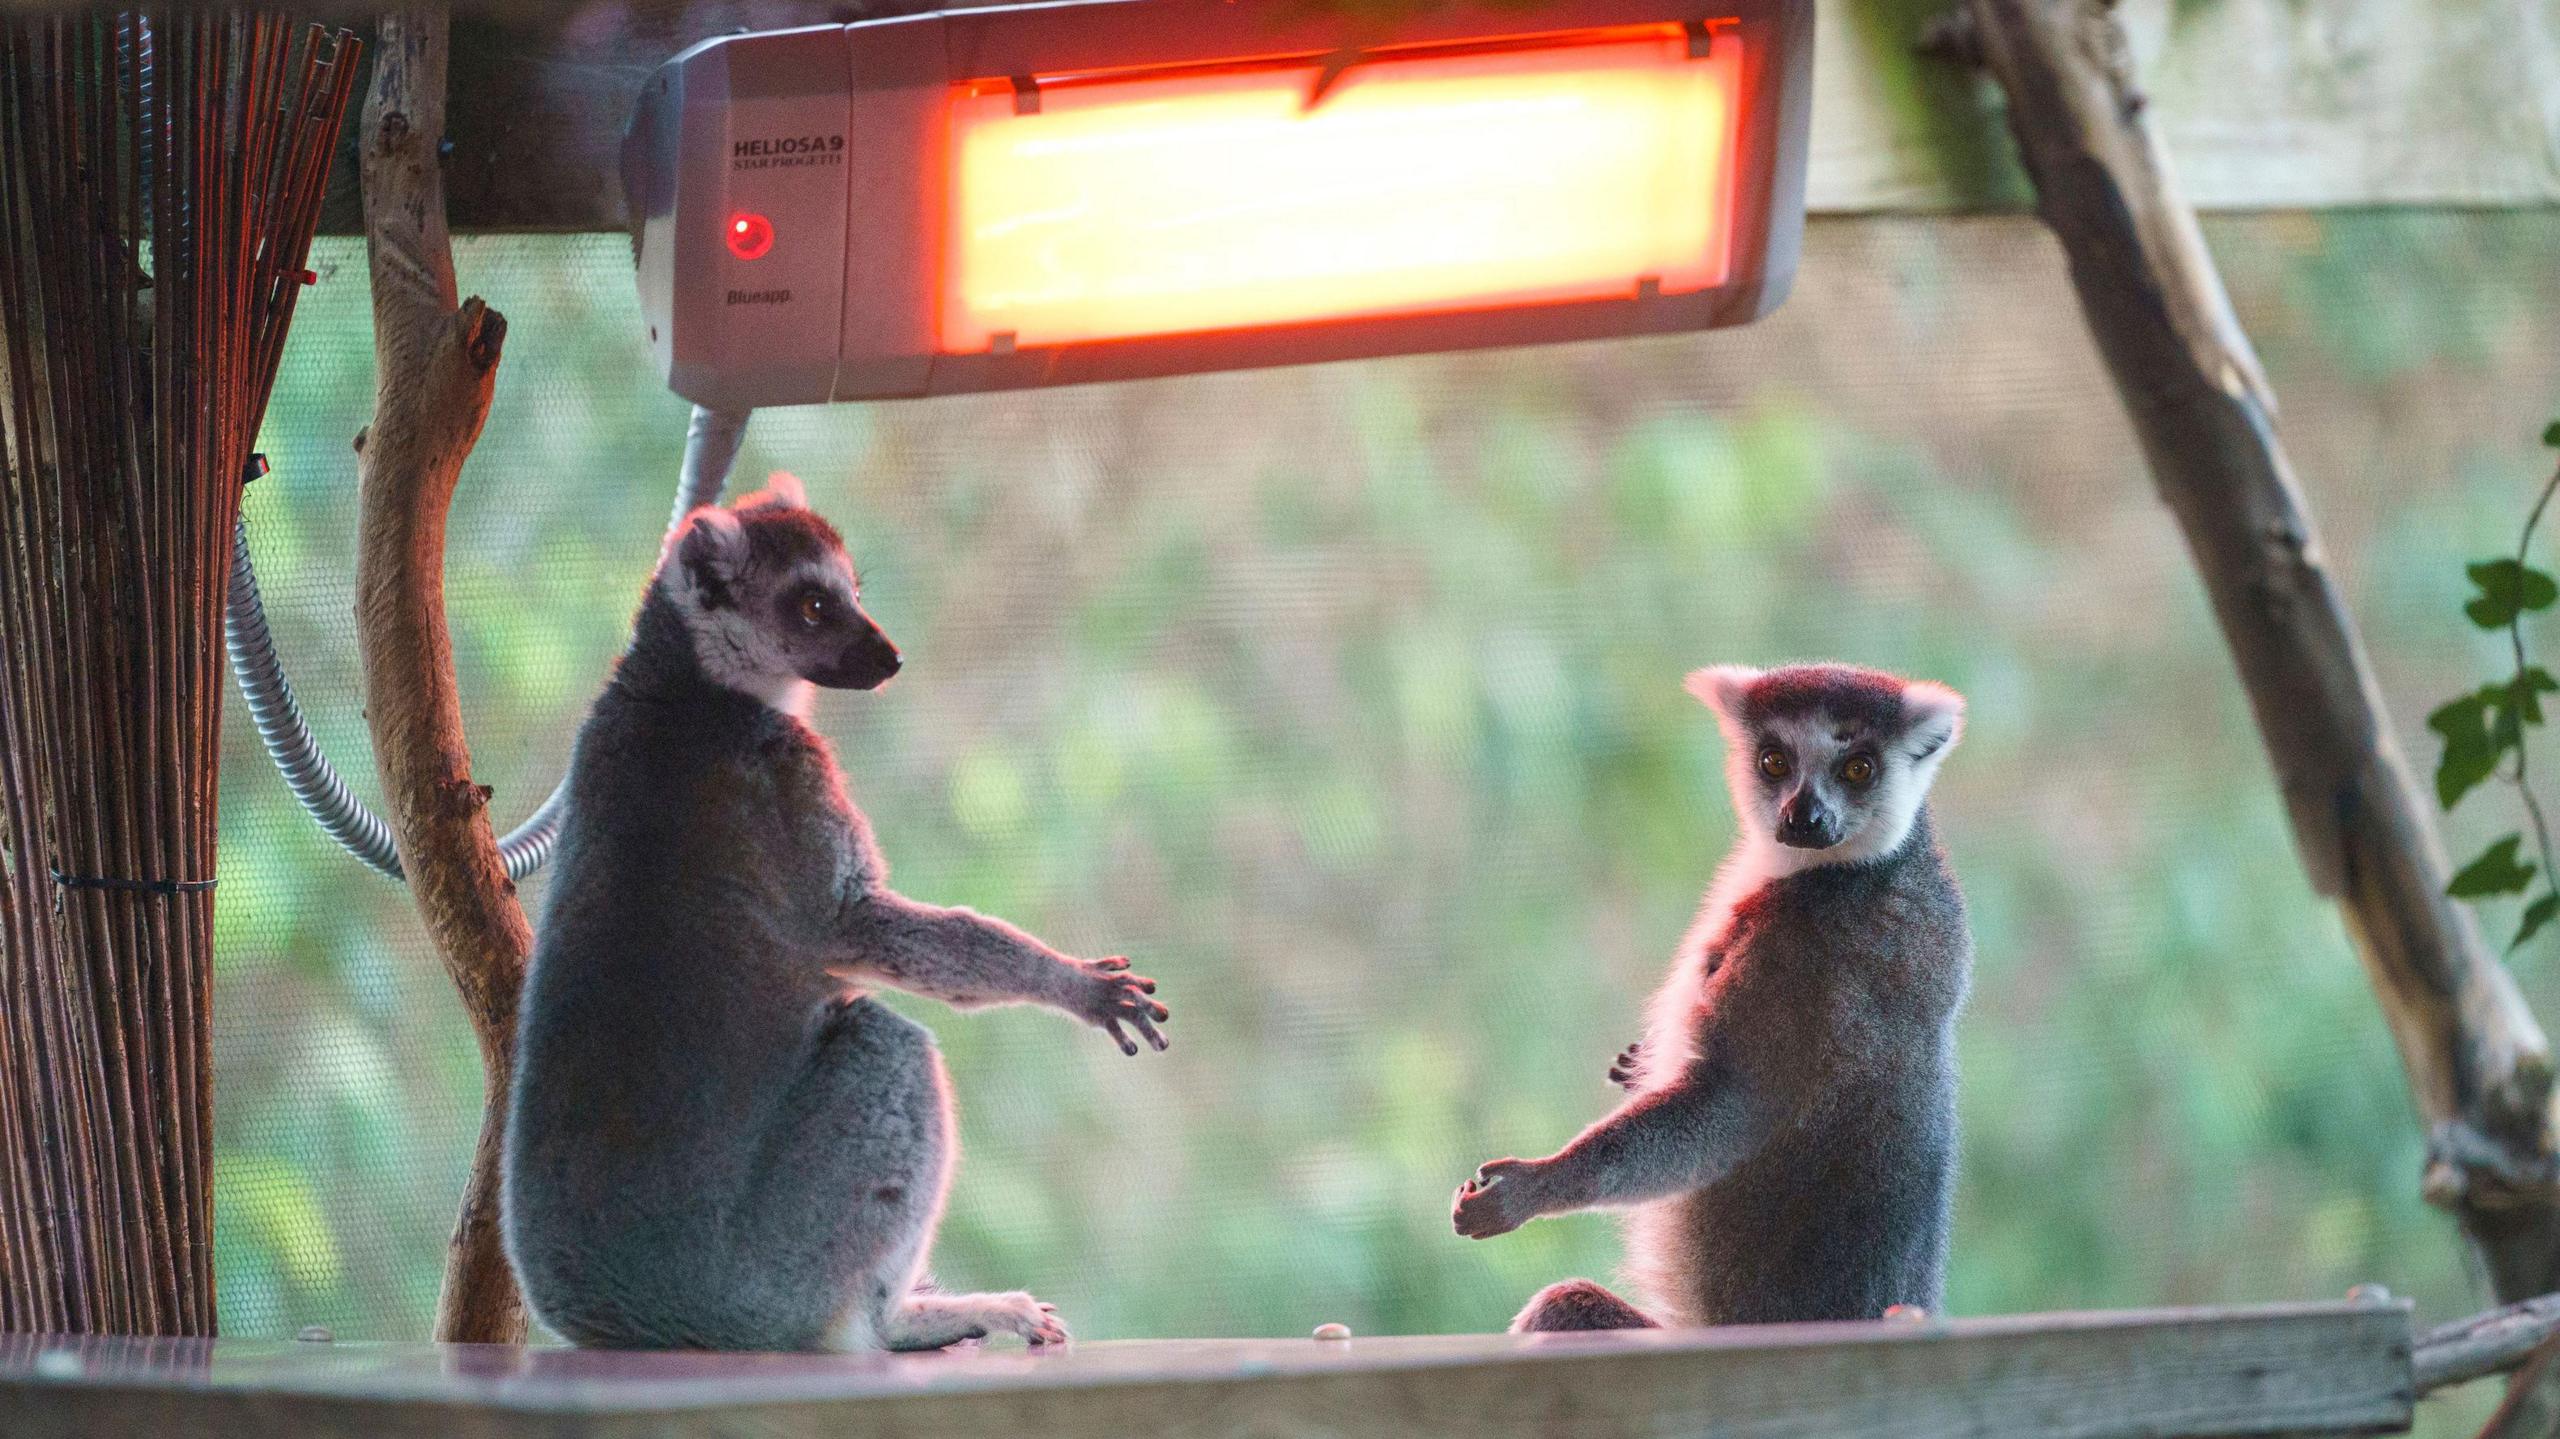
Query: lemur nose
[[1804, 822]]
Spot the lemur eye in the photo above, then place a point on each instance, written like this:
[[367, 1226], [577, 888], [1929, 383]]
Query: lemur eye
[[816, 608], [1773, 762], [1858, 769]]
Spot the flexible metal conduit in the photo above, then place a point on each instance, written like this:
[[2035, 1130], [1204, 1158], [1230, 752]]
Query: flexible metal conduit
[[710, 448]]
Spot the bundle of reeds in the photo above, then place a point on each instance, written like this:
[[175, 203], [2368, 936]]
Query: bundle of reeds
[[160, 178]]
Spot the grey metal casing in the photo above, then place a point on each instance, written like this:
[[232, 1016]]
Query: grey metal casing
[[835, 134]]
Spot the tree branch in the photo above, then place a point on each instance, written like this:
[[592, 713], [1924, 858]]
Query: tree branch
[[2477, 1061], [2483, 1344], [435, 365]]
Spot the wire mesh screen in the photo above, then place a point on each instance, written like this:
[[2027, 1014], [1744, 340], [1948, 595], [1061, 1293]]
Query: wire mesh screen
[[1346, 700]]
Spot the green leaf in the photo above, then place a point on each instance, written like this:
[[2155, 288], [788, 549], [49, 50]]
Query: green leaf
[[2524, 691], [2551, 434], [2496, 871], [2470, 750], [2536, 915], [2508, 588]]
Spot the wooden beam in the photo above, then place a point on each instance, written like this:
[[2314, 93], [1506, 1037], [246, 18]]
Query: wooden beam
[[2480, 1066], [2268, 103], [2336, 1368], [435, 365], [539, 105]]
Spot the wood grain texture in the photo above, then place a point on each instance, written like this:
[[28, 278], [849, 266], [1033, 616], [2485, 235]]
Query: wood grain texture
[[2475, 1057], [2329, 1368], [435, 364]]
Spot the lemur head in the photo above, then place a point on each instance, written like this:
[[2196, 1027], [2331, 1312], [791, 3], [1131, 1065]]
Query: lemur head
[[1830, 761], [768, 595]]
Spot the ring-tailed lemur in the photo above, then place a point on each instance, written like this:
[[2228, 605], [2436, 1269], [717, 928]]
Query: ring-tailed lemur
[[715, 1138], [1789, 1146]]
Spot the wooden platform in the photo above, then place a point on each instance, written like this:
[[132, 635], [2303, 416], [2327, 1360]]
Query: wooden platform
[[2331, 1368]]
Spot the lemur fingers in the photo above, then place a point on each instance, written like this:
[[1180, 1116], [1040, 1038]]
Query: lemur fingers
[[934, 1321], [1120, 998], [1495, 1201], [1623, 1071]]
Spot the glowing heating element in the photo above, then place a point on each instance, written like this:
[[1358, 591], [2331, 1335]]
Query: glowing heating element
[[1574, 168]]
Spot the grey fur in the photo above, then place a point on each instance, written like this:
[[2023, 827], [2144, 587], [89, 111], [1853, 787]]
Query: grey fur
[[716, 1139], [1788, 1150]]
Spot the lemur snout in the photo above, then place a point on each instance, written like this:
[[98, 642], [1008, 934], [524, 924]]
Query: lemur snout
[[1805, 822], [865, 664]]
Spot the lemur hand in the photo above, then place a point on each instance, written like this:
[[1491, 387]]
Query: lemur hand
[[1504, 1195], [1622, 1070], [1113, 997]]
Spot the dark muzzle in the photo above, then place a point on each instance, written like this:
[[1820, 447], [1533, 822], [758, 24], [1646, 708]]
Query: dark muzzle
[[1805, 822], [865, 664]]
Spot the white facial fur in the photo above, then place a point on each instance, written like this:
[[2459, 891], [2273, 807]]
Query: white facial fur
[[1907, 762], [737, 643]]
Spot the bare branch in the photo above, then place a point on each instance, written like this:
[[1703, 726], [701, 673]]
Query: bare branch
[[435, 365], [2483, 1344]]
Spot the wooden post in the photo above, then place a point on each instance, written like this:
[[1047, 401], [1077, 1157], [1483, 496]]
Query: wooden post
[[2476, 1060], [435, 363]]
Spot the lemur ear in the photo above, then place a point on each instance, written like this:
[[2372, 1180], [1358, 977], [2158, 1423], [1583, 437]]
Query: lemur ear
[[1722, 688], [1937, 717], [707, 552], [782, 490]]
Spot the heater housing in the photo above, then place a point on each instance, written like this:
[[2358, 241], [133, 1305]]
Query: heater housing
[[1056, 194]]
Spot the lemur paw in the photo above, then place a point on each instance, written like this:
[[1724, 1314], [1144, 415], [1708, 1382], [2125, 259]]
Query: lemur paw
[[1623, 1071], [1497, 1200], [1020, 1314], [1116, 997]]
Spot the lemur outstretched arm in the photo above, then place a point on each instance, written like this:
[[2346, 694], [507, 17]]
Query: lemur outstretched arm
[[1660, 1143], [965, 959]]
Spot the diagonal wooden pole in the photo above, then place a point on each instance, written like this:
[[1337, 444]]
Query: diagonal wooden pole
[[435, 365], [2477, 1062]]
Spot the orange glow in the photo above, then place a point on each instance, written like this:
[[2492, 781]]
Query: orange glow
[[1173, 203]]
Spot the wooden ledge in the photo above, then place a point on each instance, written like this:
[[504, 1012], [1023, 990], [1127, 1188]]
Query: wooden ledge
[[2332, 1368]]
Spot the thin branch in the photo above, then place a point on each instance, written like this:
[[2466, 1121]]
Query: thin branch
[[2527, 1411], [2483, 1344], [2515, 635], [435, 365]]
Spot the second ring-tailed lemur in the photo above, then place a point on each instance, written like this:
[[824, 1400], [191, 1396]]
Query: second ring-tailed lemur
[[716, 1139], [1788, 1148]]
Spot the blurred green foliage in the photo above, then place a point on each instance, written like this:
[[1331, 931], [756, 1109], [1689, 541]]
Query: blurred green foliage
[[1346, 700]]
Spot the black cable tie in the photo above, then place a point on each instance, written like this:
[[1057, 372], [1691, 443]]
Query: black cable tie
[[131, 886], [256, 468]]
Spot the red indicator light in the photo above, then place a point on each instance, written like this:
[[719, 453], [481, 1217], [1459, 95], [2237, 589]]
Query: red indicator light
[[750, 235]]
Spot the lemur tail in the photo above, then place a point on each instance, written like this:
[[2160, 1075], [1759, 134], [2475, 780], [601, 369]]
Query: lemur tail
[[1578, 1304]]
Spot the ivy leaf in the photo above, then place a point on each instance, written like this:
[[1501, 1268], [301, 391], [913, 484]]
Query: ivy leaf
[[2470, 750], [2496, 871], [2508, 588], [2523, 693], [2537, 914]]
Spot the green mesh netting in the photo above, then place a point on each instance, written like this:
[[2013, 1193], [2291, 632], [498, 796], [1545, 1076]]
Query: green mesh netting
[[1346, 700]]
